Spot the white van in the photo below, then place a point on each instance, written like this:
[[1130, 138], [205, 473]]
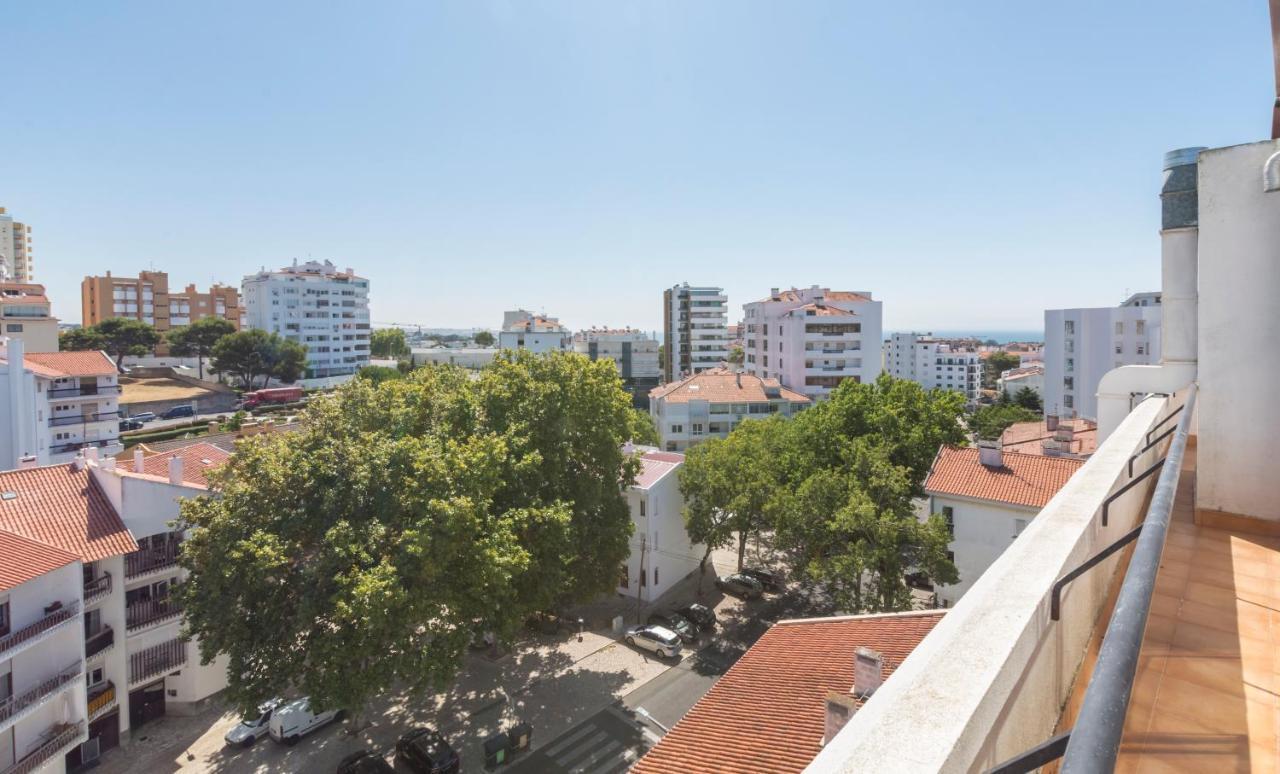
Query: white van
[[295, 720]]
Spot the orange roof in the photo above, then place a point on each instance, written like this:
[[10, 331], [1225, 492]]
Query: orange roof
[[768, 711], [793, 296], [1029, 437], [1025, 479], [55, 365], [654, 465], [197, 459], [719, 385], [63, 507], [25, 559], [822, 310]]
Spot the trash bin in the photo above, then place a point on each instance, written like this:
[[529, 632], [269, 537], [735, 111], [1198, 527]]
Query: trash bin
[[495, 750], [520, 735]]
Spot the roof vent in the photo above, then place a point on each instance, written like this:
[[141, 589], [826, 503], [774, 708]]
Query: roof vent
[[990, 454], [8, 496]]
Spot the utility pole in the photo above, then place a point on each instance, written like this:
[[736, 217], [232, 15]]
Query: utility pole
[[640, 583]]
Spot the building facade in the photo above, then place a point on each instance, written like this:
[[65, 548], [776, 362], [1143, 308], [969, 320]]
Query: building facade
[[1029, 377], [661, 552], [148, 298], [935, 363], [1080, 345], [695, 327], [15, 250], [710, 404], [812, 339], [535, 332], [317, 305], [25, 316], [633, 352]]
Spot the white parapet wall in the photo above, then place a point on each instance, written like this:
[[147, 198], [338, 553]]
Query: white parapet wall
[[991, 679]]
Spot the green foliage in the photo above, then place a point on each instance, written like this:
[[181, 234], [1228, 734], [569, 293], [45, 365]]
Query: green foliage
[[80, 340], [379, 374], [247, 355], [484, 339], [388, 343], [990, 422], [199, 338], [641, 429], [236, 421], [369, 548], [735, 356], [996, 364], [1028, 399], [118, 336]]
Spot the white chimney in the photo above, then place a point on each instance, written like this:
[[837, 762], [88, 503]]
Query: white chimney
[[108, 463], [175, 470], [990, 454], [138, 466], [28, 461], [91, 453], [78, 462], [868, 672], [840, 707]]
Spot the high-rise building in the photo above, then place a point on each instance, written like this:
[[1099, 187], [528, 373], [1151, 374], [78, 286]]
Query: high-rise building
[[25, 316], [935, 363], [695, 326], [318, 305], [535, 332], [147, 297], [812, 339], [15, 250], [1080, 345], [633, 352]]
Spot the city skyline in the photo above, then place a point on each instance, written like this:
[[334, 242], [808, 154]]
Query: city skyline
[[473, 159]]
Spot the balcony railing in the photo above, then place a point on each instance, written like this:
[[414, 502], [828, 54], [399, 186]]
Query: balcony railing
[[157, 660], [86, 390], [39, 692], [149, 560], [97, 588], [150, 611], [83, 419], [56, 739], [103, 699], [51, 620], [78, 445], [99, 642]]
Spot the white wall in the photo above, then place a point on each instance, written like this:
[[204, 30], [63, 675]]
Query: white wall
[[1091, 350], [983, 530], [667, 549], [537, 343]]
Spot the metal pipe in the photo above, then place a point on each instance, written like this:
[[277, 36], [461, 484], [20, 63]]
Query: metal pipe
[[1095, 738]]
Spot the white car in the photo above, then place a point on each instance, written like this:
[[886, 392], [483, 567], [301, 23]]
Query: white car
[[251, 729], [294, 720], [658, 639]]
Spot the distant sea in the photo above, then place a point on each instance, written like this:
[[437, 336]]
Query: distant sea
[[1002, 337]]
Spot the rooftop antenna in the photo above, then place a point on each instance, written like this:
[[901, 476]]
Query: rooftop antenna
[[1275, 49]]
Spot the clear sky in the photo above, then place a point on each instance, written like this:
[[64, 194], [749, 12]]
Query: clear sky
[[971, 163]]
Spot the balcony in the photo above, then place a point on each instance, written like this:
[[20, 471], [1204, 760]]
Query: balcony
[[101, 699], [149, 612], [143, 562], [99, 643], [86, 390], [32, 633], [156, 660], [97, 588], [56, 741], [14, 707], [83, 419], [78, 445]]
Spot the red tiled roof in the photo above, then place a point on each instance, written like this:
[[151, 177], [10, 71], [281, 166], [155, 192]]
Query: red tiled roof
[[654, 465], [821, 310], [197, 458], [1029, 437], [723, 386], [58, 364], [63, 507], [767, 713], [793, 296], [1025, 479], [25, 559]]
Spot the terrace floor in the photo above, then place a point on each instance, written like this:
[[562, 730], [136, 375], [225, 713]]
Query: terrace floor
[[1207, 693]]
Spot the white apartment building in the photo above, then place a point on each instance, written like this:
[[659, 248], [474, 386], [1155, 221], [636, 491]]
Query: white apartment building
[[535, 332], [633, 352], [812, 339], [25, 316], [710, 404], [55, 404], [1080, 345], [90, 639], [318, 305], [935, 363], [661, 552], [15, 250], [695, 326], [1025, 377]]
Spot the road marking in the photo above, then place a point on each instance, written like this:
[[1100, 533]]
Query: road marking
[[608, 749], [578, 749], [551, 752]]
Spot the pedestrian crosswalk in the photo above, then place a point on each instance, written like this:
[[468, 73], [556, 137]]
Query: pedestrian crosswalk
[[608, 742]]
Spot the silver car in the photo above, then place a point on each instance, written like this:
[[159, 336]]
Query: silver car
[[658, 639], [250, 730]]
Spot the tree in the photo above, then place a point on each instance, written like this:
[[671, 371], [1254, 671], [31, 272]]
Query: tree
[[1028, 399], [483, 339], [996, 364], [122, 336], [198, 339], [247, 355], [369, 549], [379, 374], [80, 340], [286, 361], [641, 429], [388, 343], [990, 422], [735, 356]]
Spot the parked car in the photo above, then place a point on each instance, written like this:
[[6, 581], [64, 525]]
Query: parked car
[[683, 627], [769, 579], [740, 585], [294, 720], [146, 416], [701, 615], [130, 424], [364, 762], [251, 729], [424, 751], [658, 639], [179, 411]]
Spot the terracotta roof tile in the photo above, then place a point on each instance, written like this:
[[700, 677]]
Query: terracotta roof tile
[[1025, 479], [723, 386], [767, 713], [197, 458], [59, 364], [63, 507], [654, 465], [25, 559], [1029, 437]]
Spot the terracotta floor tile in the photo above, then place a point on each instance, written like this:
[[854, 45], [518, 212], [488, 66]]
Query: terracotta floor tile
[[1194, 638]]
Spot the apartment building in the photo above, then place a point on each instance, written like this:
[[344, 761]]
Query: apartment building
[[318, 305], [935, 363], [147, 297], [55, 404], [1080, 345], [661, 552], [695, 328], [16, 263], [811, 339], [537, 333], [90, 637], [25, 316], [633, 352], [1030, 377], [711, 403]]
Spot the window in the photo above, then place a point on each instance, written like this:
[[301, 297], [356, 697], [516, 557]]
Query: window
[[1141, 325], [94, 677], [1142, 349], [949, 516], [671, 445], [642, 506], [1069, 327], [1071, 364], [677, 428], [4, 618], [1120, 328], [624, 580], [697, 428], [13, 328], [1069, 383], [655, 576], [1068, 401], [1119, 349]]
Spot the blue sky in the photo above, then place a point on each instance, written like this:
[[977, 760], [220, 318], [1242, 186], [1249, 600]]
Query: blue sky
[[970, 163]]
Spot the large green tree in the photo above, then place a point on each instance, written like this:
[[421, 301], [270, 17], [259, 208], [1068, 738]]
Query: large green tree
[[1028, 399], [80, 340], [990, 422], [388, 343], [371, 547], [248, 355], [117, 336], [199, 338], [996, 364], [483, 339], [641, 428]]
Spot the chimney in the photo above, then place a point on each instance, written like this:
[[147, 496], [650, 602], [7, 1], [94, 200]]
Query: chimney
[[1051, 422], [773, 292], [91, 453], [138, 467], [868, 672], [108, 463], [28, 461], [78, 462], [840, 707], [737, 376], [990, 454], [175, 470]]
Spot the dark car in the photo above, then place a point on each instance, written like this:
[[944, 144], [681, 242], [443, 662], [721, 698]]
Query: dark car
[[683, 627], [701, 615], [770, 580], [740, 585], [130, 424], [426, 752], [179, 411], [364, 762]]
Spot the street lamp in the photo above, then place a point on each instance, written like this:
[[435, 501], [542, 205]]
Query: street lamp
[[580, 630]]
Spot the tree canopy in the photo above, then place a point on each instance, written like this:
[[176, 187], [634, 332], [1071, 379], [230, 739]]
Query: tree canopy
[[388, 343], [996, 364], [80, 340], [990, 422], [484, 339], [247, 355], [371, 547], [117, 336], [1028, 399], [199, 338], [642, 430]]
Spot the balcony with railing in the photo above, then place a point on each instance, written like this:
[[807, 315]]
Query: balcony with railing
[[149, 560], [156, 660], [101, 699], [55, 617], [98, 588], [99, 642], [83, 419], [84, 390], [16, 706], [150, 612], [54, 742]]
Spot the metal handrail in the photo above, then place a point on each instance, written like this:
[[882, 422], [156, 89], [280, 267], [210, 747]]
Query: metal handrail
[[1095, 739], [1150, 444], [1055, 601], [1161, 423], [1138, 479]]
